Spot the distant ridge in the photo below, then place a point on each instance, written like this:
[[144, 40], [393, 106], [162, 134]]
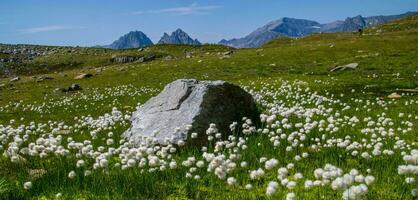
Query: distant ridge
[[290, 27]]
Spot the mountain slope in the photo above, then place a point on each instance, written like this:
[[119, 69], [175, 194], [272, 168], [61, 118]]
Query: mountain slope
[[281, 27], [178, 37], [133, 39], [290, 27]]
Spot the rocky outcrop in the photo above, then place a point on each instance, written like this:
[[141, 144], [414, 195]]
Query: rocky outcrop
[[186, 106], [129, 59]]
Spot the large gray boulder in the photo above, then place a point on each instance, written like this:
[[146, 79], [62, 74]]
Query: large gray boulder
[[167, 117]]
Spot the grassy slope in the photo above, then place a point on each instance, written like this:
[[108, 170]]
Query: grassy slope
[[308, 59]]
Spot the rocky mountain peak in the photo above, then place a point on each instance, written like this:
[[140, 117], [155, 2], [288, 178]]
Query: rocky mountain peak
[[133, 39], [178, 37]]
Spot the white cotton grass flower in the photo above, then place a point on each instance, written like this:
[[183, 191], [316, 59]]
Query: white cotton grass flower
[[409, 180], [173, 164], [248, 186], [355, 192], [87, 173], [243, 164], [109, 141], [80, 163], [369, 180], [257, 174], [27, 185], [193, 135], [58, 195], [270, 164], [72, 174], [291, 185], [200, 163], [231, 181], [290, 196], [271, 188], [309, 184]]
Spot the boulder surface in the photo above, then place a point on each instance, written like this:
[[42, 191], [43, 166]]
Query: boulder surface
[[186, 106]]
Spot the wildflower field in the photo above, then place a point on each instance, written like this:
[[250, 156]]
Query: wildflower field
[[323, 135]]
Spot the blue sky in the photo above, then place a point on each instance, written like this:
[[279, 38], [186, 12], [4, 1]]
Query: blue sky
[[92, 22]]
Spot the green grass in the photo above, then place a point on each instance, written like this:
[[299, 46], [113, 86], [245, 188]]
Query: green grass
[[387, 61]]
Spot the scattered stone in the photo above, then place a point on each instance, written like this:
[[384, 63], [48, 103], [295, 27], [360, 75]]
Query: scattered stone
[[227, 53], [123, 59], [99, 69], [168, 58], [129, 59], [145, 58], [42, 78], [15, 79], [83, 76], [344, 67], [394, 96], [73, 87], [184, 102]]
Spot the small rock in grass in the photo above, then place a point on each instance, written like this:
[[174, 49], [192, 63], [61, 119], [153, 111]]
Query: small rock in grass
[[394, 96], [15, 79], [83, 76], [344, 67]]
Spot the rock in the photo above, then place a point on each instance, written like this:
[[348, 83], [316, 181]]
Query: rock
[[168, 58], [189, 55], [83, 76], [123, 59], [145, 58], [394, 96], [15, 79], [128, 59], [344, 67], [227, 53], [190, 102], [73, 87], [42, 78]]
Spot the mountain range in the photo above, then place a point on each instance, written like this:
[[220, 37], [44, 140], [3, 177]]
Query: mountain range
[[290, 27], [283, 27], [136, 39]]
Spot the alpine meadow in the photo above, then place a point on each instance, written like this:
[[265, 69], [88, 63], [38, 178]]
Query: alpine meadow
[[295, 110]]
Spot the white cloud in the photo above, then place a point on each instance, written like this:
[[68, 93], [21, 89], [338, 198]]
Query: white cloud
[[50, 28], [192, 9]]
